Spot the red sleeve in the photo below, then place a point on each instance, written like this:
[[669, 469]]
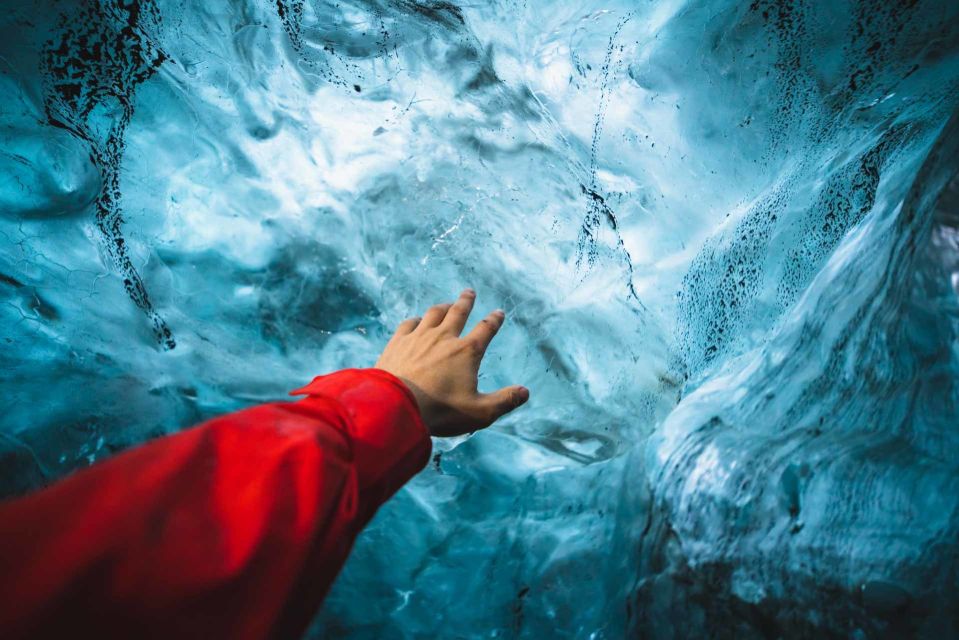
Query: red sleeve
[[233, 529]]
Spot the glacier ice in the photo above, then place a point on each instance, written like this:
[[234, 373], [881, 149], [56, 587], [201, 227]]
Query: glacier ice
[[726, 236]]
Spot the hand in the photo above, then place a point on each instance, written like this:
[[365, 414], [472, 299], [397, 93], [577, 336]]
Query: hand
[[441, 369]]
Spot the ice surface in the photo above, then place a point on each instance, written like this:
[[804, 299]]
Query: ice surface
[[716, 228]]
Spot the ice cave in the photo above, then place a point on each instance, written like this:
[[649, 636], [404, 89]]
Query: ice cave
[[726, 235]]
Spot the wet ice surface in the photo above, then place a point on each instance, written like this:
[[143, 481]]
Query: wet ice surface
[[714, 227]]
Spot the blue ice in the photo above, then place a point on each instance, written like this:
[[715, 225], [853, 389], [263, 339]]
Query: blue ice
[[726, 236]]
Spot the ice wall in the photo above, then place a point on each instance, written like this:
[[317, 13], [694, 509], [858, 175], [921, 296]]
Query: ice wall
[[716, 228]]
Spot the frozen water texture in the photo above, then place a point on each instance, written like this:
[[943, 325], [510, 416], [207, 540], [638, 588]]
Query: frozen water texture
[[724, 235]]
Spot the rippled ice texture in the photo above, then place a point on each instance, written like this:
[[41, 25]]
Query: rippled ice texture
[[714, 227]]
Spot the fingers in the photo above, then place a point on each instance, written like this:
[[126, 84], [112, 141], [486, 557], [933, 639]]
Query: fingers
[[434, 315], [459, 313], [483, 332], [407, 326], [501, 402]]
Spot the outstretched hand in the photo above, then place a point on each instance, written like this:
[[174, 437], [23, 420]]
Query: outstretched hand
[[441, 368]]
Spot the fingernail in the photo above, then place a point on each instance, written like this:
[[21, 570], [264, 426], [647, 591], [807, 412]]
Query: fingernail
[[499, 312], [523, 394], [468, 292]]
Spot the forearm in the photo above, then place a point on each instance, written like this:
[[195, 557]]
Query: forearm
[[235, 528]]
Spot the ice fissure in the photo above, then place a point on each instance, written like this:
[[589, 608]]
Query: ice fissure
[[726, 236]]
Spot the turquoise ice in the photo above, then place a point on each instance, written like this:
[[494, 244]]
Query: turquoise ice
[[726, 236]]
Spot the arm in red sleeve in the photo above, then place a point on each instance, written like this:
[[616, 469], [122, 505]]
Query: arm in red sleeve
[[233, 529]]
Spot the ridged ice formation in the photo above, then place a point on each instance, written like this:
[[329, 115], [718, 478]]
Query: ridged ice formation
[[726, 236]]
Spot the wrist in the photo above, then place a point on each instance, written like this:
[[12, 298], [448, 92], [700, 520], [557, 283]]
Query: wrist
[[420, 399]]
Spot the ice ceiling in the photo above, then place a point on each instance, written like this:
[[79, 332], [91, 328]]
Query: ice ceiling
[[723, 232]]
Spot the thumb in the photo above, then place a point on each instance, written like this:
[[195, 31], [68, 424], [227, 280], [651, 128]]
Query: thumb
[[504, 400]]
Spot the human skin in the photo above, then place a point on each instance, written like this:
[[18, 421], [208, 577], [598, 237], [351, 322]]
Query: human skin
[[440, 366]]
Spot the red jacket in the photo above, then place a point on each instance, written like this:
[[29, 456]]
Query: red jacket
[[232, 529]]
